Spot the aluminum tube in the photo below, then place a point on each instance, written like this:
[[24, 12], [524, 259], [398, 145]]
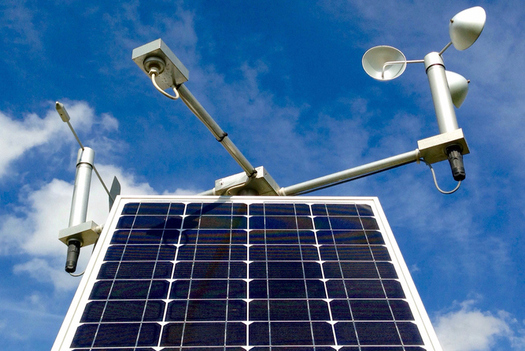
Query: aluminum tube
[[210, 192], [79, 204], [348, 174], [445, 114], [214, 128], [200, 112], [238, 156]]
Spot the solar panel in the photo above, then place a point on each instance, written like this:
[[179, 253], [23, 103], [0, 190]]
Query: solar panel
[[247, 273]]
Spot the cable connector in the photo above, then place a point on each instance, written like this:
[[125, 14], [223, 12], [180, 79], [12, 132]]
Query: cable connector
[[73, 251], [155, 66], [455, 158]]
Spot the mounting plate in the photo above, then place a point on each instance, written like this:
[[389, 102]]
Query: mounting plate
[[235, 184], [433, 149], [87, 232]]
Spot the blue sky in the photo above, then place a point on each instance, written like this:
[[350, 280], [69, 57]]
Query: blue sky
[[284, 79]]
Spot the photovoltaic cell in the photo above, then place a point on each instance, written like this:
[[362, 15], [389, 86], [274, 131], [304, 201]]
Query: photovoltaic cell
[[199, 273]]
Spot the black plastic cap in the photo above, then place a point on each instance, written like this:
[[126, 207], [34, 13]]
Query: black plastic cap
[[73, 251], [455, 158]]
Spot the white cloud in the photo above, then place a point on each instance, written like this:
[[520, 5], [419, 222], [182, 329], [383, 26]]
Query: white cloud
[[17, 136], [27, 317], [49, 270], [19, 20], [470, 329], [109, 122], [34, 229]]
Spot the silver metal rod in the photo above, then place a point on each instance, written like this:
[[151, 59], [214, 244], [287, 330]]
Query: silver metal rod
[[61, 109], [75, 134], [445, 114], [390, 63], [79, 204], [445, 48], [214, 128], [349, 174], [239, 157], [103, 184], [210, 192]]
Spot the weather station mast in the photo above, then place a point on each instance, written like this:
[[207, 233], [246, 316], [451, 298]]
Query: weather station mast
[[247, 265]]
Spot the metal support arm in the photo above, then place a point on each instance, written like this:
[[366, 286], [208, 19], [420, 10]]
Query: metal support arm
[[430, 150], [352, 173], [214, 128]]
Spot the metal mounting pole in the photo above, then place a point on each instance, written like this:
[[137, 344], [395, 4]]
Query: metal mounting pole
[[445, 114], [79, 204]]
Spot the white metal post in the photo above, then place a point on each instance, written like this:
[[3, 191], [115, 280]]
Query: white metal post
[[79, 204], [445, 114]]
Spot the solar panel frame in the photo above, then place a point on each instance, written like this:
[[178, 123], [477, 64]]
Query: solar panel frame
[[278, 269]]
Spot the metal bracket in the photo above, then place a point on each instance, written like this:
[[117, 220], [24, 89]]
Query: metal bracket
[[87, 232], [433, 149], [262, 184], [174, 72]]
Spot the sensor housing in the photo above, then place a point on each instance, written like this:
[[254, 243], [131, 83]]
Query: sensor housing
[[174, 72]]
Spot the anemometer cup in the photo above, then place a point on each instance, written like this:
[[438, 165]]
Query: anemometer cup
[[466, 27], [384, 62]]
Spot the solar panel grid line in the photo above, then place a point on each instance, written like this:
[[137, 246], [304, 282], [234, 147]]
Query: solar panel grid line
[[328, 301], [369, 260], [388, 301], [227, 305], [346, 292], [309, 309], [141, 325], [178, 245], [103, 310], [189, 290], [427, 333], [191, 282], [228, 285], [267, 283], [149, 289], [304, 281], [248, 299], [269, 303]]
